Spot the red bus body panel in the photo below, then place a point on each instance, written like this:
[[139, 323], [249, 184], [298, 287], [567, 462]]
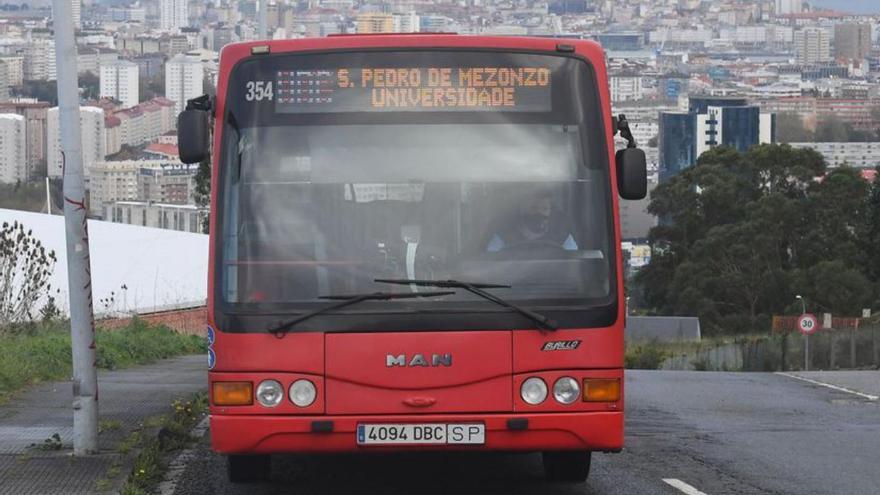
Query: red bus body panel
[[354, 383], [359, 380]]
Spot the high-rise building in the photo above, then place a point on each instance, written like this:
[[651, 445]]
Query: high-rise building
[[39, 60], [186, 218], [677, 142], [812, 45], [406, 23], [626, 87], [119, 80], [4, 81], [173, 14], [157, 181], [76, 10], [710, 122], [13, 148], [433, 23], [15, 68], [34, 113], [852, 41], [784, 7], [184, 77], [374, 23], [220, 36], [93, 139]]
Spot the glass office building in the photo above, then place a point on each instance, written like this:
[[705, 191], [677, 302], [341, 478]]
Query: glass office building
[[677, 142], [701, 104], [740, 127], [709, 122]]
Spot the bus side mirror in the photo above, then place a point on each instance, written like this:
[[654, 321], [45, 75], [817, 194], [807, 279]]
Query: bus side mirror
[[632, 173], [193, 136]]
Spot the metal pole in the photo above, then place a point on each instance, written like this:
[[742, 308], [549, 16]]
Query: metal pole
[[806, 352], [806, 335], [82, 325], [264, 19], [48, 198]]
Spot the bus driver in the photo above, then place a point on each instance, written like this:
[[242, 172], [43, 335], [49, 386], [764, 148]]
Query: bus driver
[[535, 223]]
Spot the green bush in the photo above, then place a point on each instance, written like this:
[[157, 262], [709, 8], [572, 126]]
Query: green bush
[[140, 343], [43, 353], [647, 357]]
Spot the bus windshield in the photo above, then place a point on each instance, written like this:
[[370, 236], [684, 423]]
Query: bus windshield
[[338, 169]]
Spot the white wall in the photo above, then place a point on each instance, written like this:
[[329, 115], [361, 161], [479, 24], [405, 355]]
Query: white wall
[[161, 268]]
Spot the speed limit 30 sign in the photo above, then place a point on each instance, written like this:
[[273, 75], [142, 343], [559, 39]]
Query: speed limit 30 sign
[[807, 324]]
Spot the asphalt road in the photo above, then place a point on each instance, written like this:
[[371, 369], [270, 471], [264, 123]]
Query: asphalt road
[[720, 433]]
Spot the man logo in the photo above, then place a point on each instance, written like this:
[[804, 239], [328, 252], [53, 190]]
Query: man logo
[[401, 360]]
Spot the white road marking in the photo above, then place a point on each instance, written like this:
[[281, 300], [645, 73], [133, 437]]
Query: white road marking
[[682, 486], [828, 385]]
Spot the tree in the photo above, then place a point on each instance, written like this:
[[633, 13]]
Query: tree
[[741, 233], [41, 90], [152, 87], [870, 233], [790, 129], [90, 85], [128, 152], [834, 215], [202, 194], [837, 288], [832, 129], [783, 169], [736, 270], [26, 267]]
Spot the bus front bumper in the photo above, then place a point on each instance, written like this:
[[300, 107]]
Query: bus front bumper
[[247, 434]]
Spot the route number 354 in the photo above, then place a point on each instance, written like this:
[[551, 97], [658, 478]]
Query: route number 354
[[258, 91]]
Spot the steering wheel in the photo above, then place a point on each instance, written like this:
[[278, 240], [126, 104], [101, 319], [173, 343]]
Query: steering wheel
[[534, 244]]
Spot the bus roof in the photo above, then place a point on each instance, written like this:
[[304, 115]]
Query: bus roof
[[234, 52]]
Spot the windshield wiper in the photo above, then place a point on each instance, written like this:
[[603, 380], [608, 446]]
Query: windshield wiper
[[282, 328], [477, 288]]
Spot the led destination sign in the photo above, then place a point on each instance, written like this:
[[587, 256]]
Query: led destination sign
[[433, 89]]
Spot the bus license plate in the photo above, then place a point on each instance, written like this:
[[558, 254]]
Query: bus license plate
[[421, 434]]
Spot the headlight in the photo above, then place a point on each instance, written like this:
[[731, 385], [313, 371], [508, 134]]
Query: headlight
[[533, 391], [303, 393], [269, 393], [566, 390]]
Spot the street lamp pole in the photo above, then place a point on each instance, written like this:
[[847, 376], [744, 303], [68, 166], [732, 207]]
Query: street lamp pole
[[82, 321], [806, 335]]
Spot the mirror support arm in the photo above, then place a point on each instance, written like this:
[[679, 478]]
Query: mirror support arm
[[625, 132], [204, 102]]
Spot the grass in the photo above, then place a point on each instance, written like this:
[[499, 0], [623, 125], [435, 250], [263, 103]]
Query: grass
[[173, 434], [43, 352], [109, 425]]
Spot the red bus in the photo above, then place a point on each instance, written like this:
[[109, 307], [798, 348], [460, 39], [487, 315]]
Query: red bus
[[414, 245]]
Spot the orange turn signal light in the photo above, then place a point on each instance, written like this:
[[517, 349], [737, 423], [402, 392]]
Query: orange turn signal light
[[601, 389], [233, 393]]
